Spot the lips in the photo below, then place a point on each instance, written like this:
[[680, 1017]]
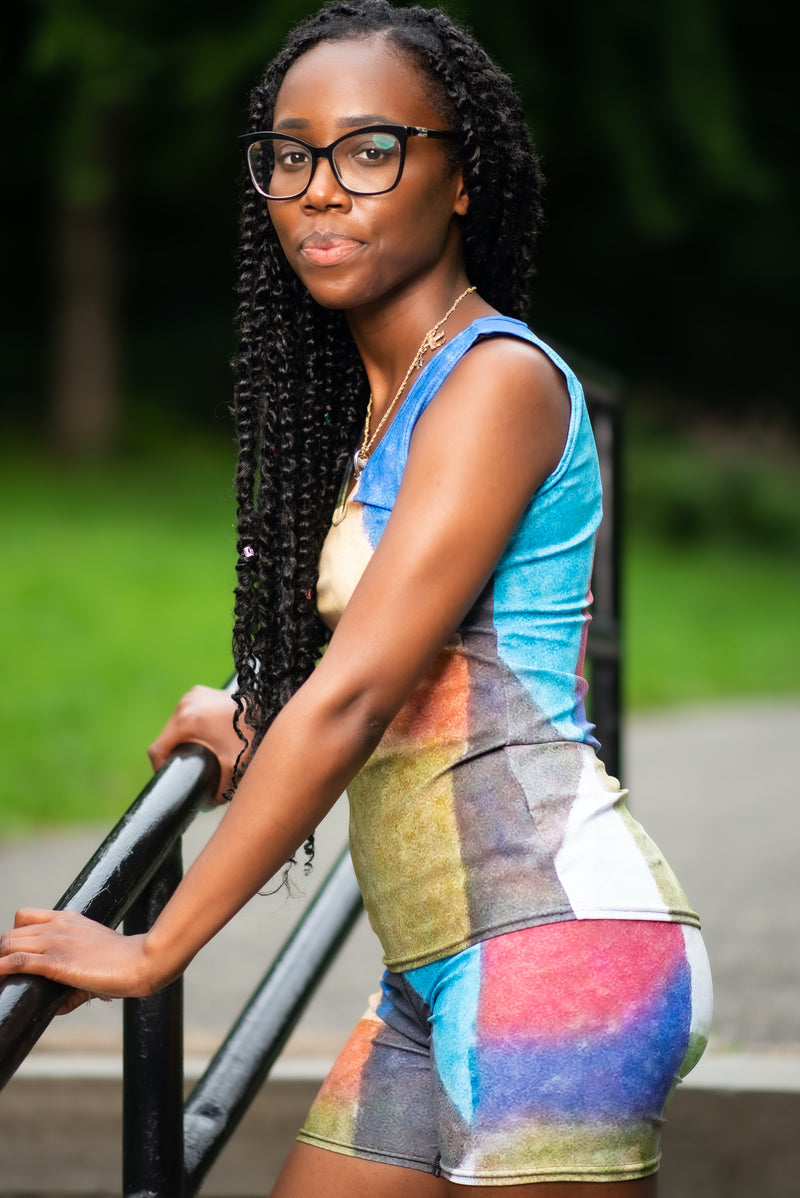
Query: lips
[[328, 249]]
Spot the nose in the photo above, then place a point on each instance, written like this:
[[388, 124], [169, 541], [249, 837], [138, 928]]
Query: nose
[[324, 189]]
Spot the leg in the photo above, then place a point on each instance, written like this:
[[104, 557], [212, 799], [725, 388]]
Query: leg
[[316, 1173], [371, 1128], [555, 1049], [544, 1067], [645, 1187]]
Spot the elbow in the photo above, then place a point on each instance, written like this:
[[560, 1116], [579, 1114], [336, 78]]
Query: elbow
[[346, 706], [366, 722], [351, 721]]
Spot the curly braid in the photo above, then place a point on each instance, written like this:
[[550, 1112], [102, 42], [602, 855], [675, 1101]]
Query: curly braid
[[300, 388]]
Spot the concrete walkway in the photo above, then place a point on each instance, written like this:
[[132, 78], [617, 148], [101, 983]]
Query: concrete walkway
[[717, 789]]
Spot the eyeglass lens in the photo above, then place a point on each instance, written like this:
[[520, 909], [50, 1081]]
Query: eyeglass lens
[[366, 163]]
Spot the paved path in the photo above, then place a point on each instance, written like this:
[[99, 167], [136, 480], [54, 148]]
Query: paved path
[[717, 789]]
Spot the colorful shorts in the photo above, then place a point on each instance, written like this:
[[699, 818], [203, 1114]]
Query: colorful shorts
[[546, 1054]]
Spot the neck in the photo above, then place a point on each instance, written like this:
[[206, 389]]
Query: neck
[[388, 333], [433, 339]]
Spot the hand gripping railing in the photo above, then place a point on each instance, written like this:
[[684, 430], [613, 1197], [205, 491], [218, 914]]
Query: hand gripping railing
[[166, 1149], [128, 860]]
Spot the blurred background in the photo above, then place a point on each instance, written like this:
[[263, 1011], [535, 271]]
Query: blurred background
[[669, 264]]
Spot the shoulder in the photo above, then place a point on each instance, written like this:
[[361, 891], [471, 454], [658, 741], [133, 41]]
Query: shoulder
[[513, 365], [506, 385]]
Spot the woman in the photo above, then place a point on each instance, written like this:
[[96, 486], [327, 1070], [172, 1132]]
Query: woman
[[545, 981]]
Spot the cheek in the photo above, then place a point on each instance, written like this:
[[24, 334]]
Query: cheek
[[421, 217], [424, 228]]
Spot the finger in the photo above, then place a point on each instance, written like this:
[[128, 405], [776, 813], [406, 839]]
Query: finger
[[168, 737], [33, 939], [77, 998], [171, 735], [21, 962], [26, 916], [160, 748]]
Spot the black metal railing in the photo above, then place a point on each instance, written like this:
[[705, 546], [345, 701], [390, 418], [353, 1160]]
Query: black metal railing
[[604, 648], [109, 885], [169, 1146]]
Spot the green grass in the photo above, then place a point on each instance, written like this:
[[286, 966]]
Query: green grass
[[709, 622], [117, 596], [712, 577]]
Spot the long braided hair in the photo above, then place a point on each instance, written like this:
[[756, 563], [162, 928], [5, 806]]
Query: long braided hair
[[300, 388]]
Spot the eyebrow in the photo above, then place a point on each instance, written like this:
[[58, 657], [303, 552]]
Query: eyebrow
[[344, 122]]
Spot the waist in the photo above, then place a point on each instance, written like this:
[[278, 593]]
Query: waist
[[450, 852]]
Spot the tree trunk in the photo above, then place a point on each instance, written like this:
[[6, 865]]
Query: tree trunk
[[85, 411]]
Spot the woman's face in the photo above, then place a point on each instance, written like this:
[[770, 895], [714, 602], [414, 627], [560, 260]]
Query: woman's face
[[351, 250]]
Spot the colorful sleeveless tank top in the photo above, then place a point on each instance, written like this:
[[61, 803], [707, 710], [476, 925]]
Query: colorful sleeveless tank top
[[484, 808]]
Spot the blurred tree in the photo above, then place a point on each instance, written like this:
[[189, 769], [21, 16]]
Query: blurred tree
[[93, 69], [672, 238], [671, 251], [101, 65]]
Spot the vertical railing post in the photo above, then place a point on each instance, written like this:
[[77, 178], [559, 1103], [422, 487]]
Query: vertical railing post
[[606, 631], [152, 1102]]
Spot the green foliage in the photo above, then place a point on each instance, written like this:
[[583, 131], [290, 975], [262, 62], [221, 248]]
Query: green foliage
[[672, 249], [638, 90], [89, 58], [712, 565], [106, 66], [715, 488]]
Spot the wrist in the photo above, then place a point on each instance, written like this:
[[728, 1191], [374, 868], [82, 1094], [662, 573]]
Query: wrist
[[158, 966]]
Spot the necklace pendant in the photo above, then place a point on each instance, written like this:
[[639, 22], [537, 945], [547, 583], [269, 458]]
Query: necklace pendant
[[359, 462], [433, 340]]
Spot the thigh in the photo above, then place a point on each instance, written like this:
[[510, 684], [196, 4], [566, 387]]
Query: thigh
[[315, 1173], [645, 1187], [555, 1050], [312, 1172], [377, 1102]]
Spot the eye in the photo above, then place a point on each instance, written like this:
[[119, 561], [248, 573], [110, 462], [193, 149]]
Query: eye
[[373, 149], [291, 157]]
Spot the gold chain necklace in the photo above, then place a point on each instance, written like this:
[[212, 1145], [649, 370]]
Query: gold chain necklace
[[432, 340]]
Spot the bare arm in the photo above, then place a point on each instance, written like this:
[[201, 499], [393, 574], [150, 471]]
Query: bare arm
[[494, 432]]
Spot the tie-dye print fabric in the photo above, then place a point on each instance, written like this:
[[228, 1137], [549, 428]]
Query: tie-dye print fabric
[[484, 808], [547, 1054]]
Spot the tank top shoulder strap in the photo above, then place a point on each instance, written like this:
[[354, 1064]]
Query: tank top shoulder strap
[[381, 477]]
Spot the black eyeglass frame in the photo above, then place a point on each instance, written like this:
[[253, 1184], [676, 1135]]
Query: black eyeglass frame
[[401, 132]]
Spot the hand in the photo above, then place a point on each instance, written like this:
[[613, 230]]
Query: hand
[[203, 716], [77, 952]]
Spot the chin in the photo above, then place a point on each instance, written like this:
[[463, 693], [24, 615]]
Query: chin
[[338, 299], [333, 303]]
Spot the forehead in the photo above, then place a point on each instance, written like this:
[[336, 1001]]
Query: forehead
[[358, 77]]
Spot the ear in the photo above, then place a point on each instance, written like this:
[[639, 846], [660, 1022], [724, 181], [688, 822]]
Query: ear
[[461, 202]]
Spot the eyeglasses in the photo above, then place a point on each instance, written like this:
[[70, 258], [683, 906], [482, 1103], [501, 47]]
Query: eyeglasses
[[368, 162]]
